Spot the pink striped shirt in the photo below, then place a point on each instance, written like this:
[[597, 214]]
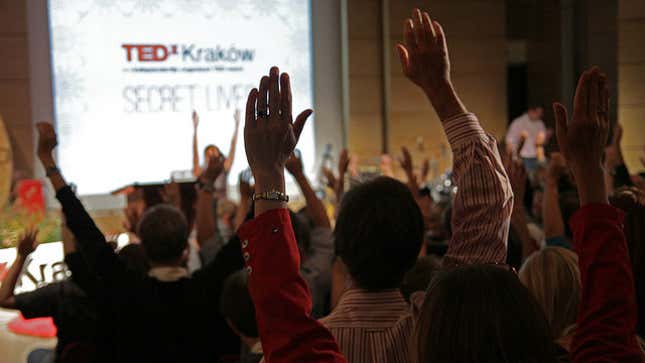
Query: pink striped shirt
[[372, 326], [377, 326], [482, 208]]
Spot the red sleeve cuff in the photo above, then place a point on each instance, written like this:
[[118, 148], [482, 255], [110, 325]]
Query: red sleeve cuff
[[264, 223]]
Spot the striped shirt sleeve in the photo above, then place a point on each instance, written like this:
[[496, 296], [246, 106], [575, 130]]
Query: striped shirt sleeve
[[484, 201]]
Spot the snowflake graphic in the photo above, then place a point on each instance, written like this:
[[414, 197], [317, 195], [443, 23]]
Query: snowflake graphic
[[148, 6], [266, 7], [228, 5], [69, 85]]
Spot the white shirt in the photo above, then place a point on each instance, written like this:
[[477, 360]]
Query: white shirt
[[531, 127]]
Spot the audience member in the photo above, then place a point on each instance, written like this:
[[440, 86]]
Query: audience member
[[237, 307]]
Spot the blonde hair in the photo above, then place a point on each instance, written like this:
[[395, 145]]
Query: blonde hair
[[553, 277]]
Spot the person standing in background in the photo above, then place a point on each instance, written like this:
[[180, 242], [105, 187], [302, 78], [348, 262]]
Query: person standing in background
[[221, 183], [529, 131]]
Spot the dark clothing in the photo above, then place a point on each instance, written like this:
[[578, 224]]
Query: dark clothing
[[74, 314], [151, 320]]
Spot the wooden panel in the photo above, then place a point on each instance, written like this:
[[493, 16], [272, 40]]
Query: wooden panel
[[365, 134], [13, 17], [631, 87], [631, 35], [363, 19], [14, 56], [631, 9], [365, 58], [365, 95]]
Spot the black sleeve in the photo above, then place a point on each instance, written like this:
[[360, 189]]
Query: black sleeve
[[622, 177], [81, 275], [39, 303], [226, 262], [100, 258]]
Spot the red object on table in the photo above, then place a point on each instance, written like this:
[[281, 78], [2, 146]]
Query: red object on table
[[39, 327], [30, 195]]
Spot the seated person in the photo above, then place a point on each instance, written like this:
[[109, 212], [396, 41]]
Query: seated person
[[167, 315], [237, 307]]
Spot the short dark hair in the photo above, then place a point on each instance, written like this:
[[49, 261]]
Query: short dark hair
[[481, 311], [236, 304], [163, 230], [379, 232]]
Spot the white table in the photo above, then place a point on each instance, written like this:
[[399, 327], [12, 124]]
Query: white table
[[14, 348]]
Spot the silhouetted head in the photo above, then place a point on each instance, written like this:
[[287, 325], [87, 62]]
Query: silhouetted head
[[481, 313], [379, 232], [163, 231]]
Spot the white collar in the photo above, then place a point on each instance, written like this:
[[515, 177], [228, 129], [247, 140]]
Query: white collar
[[168, 273]]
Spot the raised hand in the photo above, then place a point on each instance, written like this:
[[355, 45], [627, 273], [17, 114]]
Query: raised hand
[[425, 61], [195, 119], [171, 193], [213, 170], [343, 163], [557, 167], [245, 188], [425, 170], [518, 176], [47, 140], [28, 242], [582, 141], [424, 57], [294, 165], [237, 116], [406, 162], [270, 133], [613, 153]]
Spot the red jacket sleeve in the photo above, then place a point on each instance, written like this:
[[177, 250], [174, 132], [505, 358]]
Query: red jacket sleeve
[[606, 326], [281, 297]]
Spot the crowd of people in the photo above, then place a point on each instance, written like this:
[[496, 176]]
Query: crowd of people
[[535, 256]]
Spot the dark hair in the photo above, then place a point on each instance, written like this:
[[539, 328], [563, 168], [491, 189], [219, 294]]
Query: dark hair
[[164, 233], [631, 200], [236, 304], [481, 313], [134, 258], [419, 276], [211, 146], [379, 232], [302, 231]]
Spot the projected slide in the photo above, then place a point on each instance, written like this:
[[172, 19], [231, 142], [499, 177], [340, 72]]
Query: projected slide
[[128, 73]]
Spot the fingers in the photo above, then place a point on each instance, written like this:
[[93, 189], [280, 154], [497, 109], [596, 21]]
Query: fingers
[[274, 91], [581, 97], [285, 96], [428, 28], [560, 124], [593, 107], [410, 38], [299, 124], [404, 57], [419, 30], [262, 97], [250, 108], [440, 35], [604, 95]]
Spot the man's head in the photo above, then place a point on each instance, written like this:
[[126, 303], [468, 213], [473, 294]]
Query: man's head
[[536, 113], [237, 307], [379, 232], [163, 231], [211, 151]]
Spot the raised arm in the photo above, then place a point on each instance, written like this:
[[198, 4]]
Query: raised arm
[[482, 207], [551, 212], [99, 256], [280, 295], [606, 325], [408, 168], [196, 167], [315, 208], [206, 221], [228, 164], [26, 246]]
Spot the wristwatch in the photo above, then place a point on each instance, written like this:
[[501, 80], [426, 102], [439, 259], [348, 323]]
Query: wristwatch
[[272, 195]]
